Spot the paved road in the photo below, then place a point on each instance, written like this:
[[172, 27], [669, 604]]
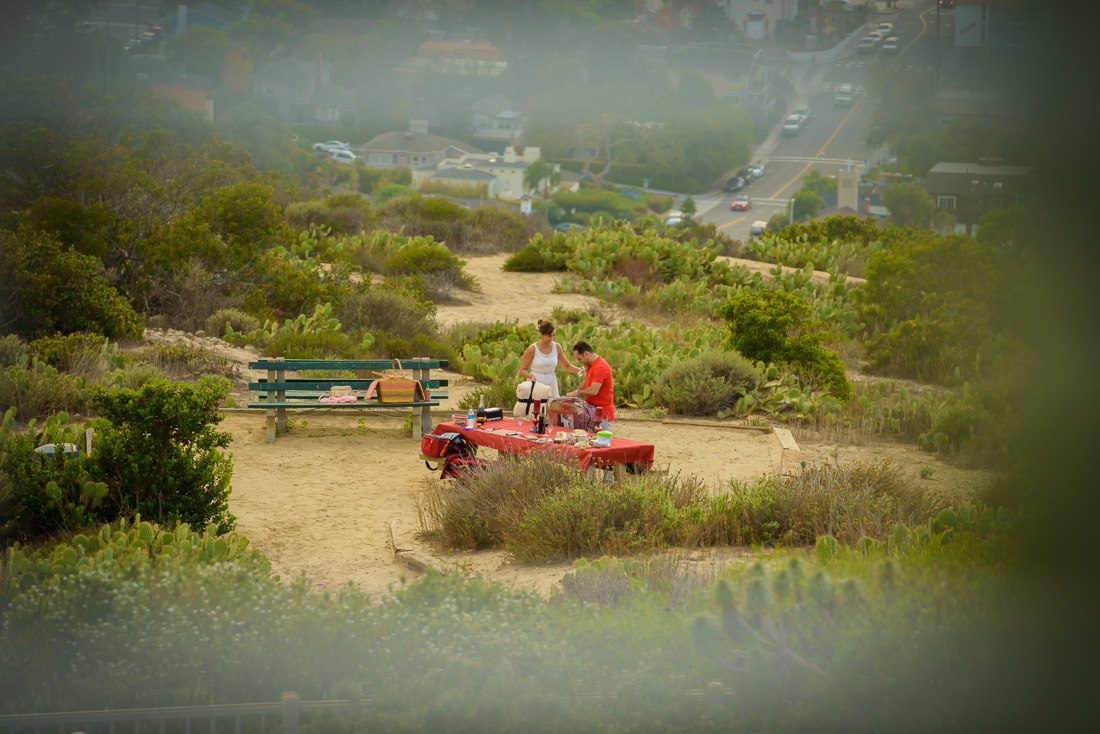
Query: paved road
[[836, 137]]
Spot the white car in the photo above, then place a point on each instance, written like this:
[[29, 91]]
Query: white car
[[330, 145], [890, 45], [757, 228], [886, 28], [342, 156], [802, 111], [757, 170], [792, 125]]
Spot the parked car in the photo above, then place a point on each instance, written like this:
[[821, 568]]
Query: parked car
[[890, 45], [867, 44], [758, 227], [341, 155], [792, 125], [330, 145], [741, 203], [734, 184], [757, 169]]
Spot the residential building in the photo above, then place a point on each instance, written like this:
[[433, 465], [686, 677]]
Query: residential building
[[735, 71], [757, 20], [413, 148], [151, 71], [970, 190], [496, 123], [301, 92], [208, 15], [462, 58], [507, 170]]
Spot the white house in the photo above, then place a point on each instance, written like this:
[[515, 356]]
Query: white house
[[506, 169]]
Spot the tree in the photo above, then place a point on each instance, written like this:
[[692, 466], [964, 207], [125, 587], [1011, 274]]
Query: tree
[[47, 288], [807, 204], [688, 207], [540, 176], [909, 204], [161, 455], [816, 182]]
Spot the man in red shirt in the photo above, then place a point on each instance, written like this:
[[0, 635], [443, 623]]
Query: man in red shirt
[[599, 387]]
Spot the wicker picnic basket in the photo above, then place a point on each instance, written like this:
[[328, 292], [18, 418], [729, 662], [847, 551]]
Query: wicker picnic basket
[[397, 388]]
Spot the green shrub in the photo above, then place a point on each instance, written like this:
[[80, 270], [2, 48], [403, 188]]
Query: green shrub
[[844, 501], [390, 310], [498, 229], [136, 376], [705, 384], [345, 213], [87, 355], [392, 190], [777, 326], [51, 289], [48, 494], [237, 319], [12, 350], [540, 255], [36, 389], [161, 455], [498, 394], [185, 360]]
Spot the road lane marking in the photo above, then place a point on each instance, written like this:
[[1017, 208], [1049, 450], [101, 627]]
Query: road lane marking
[[837, 131], [732, 222], [817, 158], [923, 28]]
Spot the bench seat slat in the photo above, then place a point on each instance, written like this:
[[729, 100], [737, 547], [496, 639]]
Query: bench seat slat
[[301, 384], [345, 364], [356, 404], [314, 395]]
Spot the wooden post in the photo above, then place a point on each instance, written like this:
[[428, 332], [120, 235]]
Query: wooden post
[[270, 411], [281, 377], [425, 423], [790, 460], [292, 713]]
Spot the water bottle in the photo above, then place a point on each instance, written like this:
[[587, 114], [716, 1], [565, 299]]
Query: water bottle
[[471, 418]]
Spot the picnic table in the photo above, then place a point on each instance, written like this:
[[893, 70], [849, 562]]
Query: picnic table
[[621, 456]]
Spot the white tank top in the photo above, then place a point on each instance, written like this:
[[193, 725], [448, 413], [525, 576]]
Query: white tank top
[[544, 368]]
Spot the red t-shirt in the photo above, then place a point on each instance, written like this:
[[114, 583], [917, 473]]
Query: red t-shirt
[[600, 371]]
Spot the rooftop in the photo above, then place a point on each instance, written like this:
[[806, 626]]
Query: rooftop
[[980, 169]]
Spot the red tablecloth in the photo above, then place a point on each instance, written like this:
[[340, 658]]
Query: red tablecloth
[[621, 450]]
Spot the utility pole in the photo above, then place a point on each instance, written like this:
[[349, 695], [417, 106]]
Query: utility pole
[[939, 6]]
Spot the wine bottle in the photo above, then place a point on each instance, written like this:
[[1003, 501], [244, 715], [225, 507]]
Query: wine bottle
[[481, 411]]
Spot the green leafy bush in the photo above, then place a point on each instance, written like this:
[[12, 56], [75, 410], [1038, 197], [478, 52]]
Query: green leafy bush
[[36, 389], [540, 256], [704, 385], [777, 326], [393, 190], [89, 355], [498, 229], [161, 455], [46, 494], [236, 319], [12, 350], [346, 213], [47, 289]]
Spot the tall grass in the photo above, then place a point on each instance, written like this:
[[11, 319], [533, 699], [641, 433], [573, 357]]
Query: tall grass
[[540, 507]]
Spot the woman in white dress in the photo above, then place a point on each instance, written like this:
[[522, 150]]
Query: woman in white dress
[[541, 359]]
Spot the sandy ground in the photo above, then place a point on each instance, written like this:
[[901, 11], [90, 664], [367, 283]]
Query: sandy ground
[[320, 500]]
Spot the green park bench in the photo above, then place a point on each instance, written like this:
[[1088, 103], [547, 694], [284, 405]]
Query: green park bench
[[278, 393]]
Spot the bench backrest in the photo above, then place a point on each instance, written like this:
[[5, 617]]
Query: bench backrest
[[419, 363]]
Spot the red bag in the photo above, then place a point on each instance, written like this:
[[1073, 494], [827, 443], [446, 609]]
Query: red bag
[[438, 445]]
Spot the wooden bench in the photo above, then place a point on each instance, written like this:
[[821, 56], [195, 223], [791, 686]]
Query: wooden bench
[[278, 393]]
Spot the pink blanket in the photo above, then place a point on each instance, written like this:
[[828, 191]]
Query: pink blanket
[[341, 399]]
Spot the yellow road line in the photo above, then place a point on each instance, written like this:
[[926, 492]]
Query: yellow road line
[[821, 152], [835, 132], [732, 221], [784, 187], [923, 28]]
